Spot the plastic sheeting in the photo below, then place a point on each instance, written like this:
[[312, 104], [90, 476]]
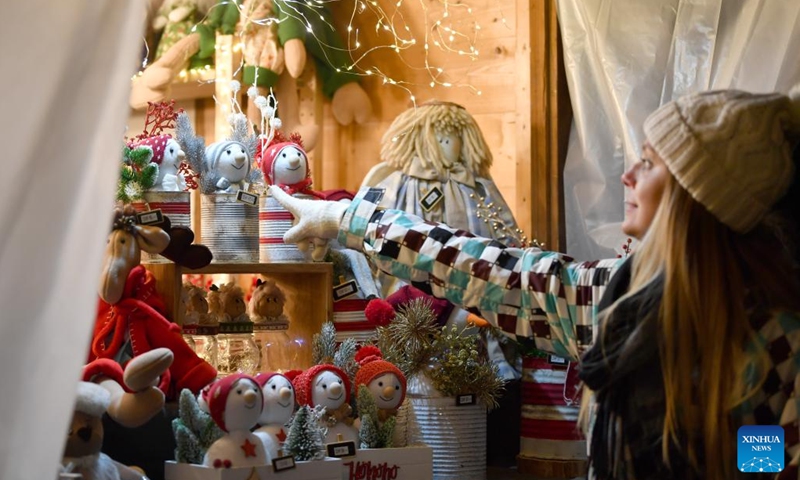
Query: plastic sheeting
[[64, 92], [625, 58]]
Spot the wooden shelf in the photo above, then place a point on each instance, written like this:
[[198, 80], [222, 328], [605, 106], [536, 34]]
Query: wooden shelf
[[263, 268], [307, 286]]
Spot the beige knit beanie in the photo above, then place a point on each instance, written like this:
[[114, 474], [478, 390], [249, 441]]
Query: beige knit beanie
[[731, 150]]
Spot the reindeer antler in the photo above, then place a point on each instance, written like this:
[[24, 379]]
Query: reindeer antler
[[159, 117]]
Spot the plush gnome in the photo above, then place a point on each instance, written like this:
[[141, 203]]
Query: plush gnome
[[235, 403], [385, 381], [327, 385], [82, 453], [229, 162], [278, 409]]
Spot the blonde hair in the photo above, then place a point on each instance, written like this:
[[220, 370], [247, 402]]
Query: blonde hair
[[413, 137], [703, 326]]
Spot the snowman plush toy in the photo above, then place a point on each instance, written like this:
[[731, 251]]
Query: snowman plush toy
[[328, 386], [285, 163], [278, 409], [383, 379], [235, 403], [228, 162]]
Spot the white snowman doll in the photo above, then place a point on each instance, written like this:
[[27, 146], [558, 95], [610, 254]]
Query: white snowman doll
[[384, 380], [285, 164], [229, 162], [168, 155], [235, 403], [327, 385], [278, 409]]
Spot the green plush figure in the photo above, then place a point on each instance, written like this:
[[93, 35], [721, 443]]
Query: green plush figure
[[323, 42]]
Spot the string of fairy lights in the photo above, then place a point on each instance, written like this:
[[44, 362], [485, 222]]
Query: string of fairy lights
[[448, 26]]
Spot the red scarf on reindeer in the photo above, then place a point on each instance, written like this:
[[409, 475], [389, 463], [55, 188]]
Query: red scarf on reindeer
[[138, 316]]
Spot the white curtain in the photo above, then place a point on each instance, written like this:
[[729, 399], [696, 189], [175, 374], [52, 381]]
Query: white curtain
[[63, 93], [624, 58]]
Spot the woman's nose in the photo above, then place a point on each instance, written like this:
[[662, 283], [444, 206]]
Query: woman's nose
[[629, 177]]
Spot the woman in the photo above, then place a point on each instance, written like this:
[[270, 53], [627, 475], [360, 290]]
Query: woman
[[699, 333]]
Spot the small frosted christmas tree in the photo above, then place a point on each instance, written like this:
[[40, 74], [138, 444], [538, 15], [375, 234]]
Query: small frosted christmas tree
[[194, 430], [325, 350], [373, 434], [306, 437]]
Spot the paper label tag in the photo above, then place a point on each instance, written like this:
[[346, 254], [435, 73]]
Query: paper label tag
[[554, 360], [150, 217], [270, 326], [280, 464], [248, 198], [344, 290], [465, 399], [341, 449], [431, 199]]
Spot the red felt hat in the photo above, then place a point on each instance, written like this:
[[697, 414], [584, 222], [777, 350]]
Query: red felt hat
[[302, 383], [158, 143], [373, 365], [267, 159], [218, 396]]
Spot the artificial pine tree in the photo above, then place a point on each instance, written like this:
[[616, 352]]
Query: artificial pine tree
[[306, 437], [323, 344], [137, 173], [194, 430], [373, 434]]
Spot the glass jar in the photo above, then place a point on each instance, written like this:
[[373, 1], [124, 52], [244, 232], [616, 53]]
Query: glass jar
[[237, 349], [206, 346], [280, 350]]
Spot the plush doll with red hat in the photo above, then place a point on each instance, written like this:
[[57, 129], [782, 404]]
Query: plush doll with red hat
[[167, 152], [385, 381], [327, 385], [235, 403], [284, 163], [278, 409]]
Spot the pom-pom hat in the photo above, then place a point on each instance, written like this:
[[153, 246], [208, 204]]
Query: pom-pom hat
[[218, 396], [267, 160], [729, 149], [373, 365], [158, 143], [303, 387], [92, 399]]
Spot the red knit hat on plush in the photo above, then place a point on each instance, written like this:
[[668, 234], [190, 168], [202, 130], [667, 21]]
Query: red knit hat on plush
[[267, 160], [263, 377], [158, 143], [302, 383], [373, 365], [218, 396]]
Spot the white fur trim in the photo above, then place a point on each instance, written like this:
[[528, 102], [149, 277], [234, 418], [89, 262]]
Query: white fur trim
[[92, 399]]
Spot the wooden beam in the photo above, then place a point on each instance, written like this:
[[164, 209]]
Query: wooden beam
[[544, 119]]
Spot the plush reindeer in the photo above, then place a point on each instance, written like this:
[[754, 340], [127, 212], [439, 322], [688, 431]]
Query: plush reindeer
[[131, 329]]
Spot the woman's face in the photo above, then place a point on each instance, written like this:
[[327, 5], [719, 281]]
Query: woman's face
[[645, 181]]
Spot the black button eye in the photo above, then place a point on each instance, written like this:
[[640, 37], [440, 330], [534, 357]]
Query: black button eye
[[122, 241], [324, 386], [380, 384], [228, 152], [274, 387], [239, 391], [397, 387]]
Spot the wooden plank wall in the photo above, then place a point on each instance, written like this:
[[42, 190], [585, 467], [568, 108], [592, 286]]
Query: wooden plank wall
[[523, 109]]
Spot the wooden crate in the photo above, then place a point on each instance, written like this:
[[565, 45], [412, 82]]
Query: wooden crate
[[319, 470], [307, 286]]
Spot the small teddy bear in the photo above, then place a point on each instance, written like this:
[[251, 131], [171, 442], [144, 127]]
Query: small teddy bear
[[82, 454], [267, 303], [196, 305], [226, 303]]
